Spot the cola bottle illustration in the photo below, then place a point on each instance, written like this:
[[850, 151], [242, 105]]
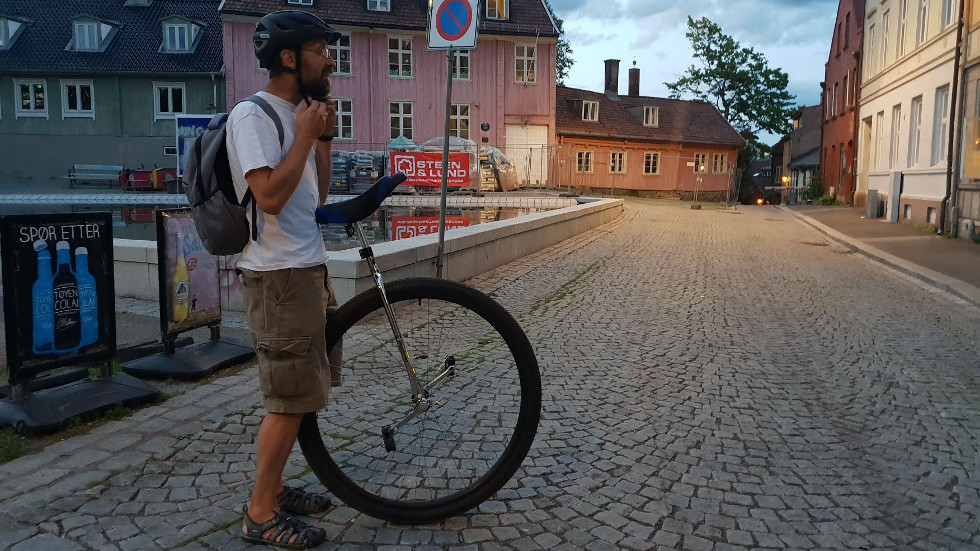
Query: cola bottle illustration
[[67, 317], [181, 283], [88, 301], [42, 298]]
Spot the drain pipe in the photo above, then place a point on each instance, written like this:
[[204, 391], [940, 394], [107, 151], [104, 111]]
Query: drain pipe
[[944, 206]]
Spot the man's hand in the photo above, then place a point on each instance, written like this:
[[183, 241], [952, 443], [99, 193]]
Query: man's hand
[[311, 122], [331, 124]]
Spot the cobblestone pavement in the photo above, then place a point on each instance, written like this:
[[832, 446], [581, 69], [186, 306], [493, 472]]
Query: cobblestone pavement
[[712, 380]]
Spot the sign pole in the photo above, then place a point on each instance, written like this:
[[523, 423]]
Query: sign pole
[[445, 164]]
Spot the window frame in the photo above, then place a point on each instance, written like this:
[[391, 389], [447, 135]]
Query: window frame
[[380, 5], [940, 126], [168, 115], [878, 138], [903, 24], [527, 76], [922, 28], [704, 163], [335, 52], [617, 166], [19, 111], [95, 25], [584, 158], [719, 163], [590, 111], [66, 112], [455, 118], [300, 2], [651, 156], [400, 52], [885, 23], [168, 46], [946, 14], [401, 118], [458, 57], [895, 135], [506, 14], [649, 110], [341, 113], [915, 131]]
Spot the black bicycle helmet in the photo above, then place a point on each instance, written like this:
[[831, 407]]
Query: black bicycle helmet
[[288, 29]]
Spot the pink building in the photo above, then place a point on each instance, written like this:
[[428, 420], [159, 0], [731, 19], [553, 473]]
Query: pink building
[[388, 84]]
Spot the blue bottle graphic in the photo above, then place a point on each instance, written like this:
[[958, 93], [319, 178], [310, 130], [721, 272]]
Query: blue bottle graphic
[[42, 298], [88, 301], [67, 317]]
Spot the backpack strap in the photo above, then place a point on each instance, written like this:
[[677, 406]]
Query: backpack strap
[[260, 101]]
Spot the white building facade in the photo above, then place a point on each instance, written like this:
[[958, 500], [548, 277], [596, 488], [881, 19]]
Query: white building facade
[[906, 107]]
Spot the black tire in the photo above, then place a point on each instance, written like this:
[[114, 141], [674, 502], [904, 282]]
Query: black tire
[[495, 368]]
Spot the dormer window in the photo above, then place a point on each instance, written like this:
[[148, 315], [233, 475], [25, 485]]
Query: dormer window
[[179, 35], [651, 116], [590, 111], [497, 9], [379, 5], [9, 30], [90, 35], [300, 2]]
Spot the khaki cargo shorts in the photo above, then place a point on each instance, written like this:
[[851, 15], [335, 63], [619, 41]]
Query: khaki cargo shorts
[[286, 311]]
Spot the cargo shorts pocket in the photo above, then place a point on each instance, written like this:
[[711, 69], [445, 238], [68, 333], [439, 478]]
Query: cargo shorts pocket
[[284, 368]]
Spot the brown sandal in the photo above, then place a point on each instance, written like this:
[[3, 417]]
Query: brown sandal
[[283, 528]]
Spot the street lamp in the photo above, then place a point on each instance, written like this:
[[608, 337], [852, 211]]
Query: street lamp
[[697, 183], [785, 190]]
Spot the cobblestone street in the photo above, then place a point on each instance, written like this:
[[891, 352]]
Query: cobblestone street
[[712, 380]]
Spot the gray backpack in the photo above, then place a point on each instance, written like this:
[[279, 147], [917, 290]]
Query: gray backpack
[[218, 214]]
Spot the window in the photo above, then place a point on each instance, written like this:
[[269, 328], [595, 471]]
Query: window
[[177, 37], [847, 28], [168, 99], [345, 119], [931, 215], [617, 162], [840, 37], [76, 99], [583, 161], [940, 125], [946, 15], [496, 9], [923, 27], [340, 52], [87, 36], [400, 116], [399, 56], [8, 32], [885, 20], [300, 2], [915, 122], [908, 212], [651, 116], [590, 111], [461, 65], [896, 129], [847, 95], [459, 120], [833, 106], [719, 163], [379, 5], [879, 123], [903, 21], [871, 50], [170, 150], [30, 100], [651, 163], [525, 58], [700, 162]]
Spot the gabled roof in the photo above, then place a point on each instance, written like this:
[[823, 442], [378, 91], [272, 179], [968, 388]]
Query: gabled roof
[[680, 121], [133, 50], [527, 17]]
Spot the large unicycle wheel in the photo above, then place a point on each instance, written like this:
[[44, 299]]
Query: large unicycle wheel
[[468, 436]]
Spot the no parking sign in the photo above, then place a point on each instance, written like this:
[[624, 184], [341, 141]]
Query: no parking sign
[[452, 24]]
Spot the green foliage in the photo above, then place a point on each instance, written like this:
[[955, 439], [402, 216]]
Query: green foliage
[[563, 51], [738, 81], [827, 200], [11, 446], [815, 189]]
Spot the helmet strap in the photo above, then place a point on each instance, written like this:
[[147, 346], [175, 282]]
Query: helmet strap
[[299, 75]]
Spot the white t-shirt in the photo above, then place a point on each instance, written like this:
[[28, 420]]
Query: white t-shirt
[[290, 239]]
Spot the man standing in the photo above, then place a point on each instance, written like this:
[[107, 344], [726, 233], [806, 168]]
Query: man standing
[[287, 292]]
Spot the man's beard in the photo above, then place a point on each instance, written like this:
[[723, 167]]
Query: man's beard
[[318, 89]]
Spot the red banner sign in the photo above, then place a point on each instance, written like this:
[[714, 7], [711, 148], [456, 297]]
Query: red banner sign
[[425, 169], [403, 227]]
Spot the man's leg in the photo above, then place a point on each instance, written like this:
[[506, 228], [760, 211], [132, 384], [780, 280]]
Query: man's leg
[[276, 438]]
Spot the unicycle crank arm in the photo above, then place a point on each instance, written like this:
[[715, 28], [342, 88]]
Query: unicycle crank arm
[[388, 433], [448, 369]]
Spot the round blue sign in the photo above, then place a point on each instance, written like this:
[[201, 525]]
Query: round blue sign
[[453, 19]]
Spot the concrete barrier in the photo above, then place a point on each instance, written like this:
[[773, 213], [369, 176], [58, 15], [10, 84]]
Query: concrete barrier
[[469, 251]]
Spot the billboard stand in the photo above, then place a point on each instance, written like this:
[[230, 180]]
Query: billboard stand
[[190, 298], [60, 311]]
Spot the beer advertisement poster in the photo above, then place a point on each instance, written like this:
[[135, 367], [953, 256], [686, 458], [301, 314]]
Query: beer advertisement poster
[[58, 291], [189, 288]]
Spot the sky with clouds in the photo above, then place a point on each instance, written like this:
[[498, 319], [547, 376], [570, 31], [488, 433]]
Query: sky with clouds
[[794, 35]]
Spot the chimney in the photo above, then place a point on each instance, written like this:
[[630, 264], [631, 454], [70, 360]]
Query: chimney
[[634, 81], [612, 76]]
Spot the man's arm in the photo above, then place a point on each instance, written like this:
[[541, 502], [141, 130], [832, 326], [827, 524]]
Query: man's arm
[[324, 165]]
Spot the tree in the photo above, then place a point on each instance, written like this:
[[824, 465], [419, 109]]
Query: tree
[[563, 52], [738, 81]]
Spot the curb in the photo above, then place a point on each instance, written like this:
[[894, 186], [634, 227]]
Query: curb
[[943, 282]]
